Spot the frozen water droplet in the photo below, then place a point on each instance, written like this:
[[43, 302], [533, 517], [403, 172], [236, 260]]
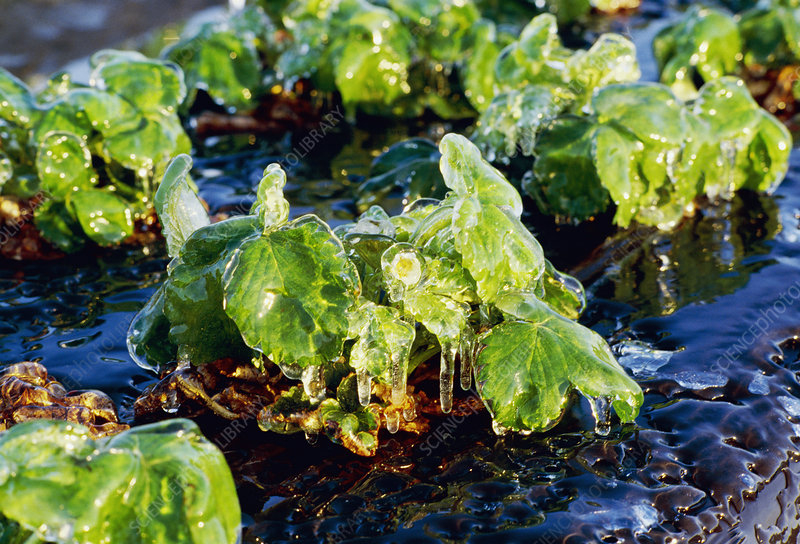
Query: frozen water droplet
[[446, 371], [392, 421], [364, 384], [601, 410], [311, 438]]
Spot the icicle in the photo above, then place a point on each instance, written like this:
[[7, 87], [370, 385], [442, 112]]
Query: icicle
[[364, 383], [314, 382], [446, 372], [601, 410], [410, 411], [399, 376], [311, 438], [465, 351], [392, 420]]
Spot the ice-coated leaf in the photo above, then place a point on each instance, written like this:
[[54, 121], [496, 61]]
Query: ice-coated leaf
[[511, 123], [289, 291], [270, 207], [611, 59], [64, 164], [369, 74], [530, 365], [470, 175], [562, 292], [153, 86], [16, 102], [148, 335], [193, 298], [160, 483], [179, 208], [104, 217]]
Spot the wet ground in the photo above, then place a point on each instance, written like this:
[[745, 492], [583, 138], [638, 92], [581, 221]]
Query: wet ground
[[706, 318]]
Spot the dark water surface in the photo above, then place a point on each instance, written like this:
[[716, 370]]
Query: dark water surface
[[706, 318]]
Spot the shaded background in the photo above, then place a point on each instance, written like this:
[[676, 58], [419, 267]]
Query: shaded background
[[39, 37]]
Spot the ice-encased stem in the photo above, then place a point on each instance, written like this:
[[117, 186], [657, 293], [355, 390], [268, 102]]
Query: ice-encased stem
[[364, 384], [314, 382]]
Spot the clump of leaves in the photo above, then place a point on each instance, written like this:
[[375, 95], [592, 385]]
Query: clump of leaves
[[536, 78], [383, 58], [652, 154], [159, 483], [708, 43], [89, 155], [359, 308], [225, 58]]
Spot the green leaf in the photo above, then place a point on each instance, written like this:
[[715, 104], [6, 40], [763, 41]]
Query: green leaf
[[529, 367], [153, 86], [65, 165], [289, 290], [193, 301], [270, 207], [16, 102], [160, 483], [103, 216], [478, 73], [357, 431], [179, 208], [562, 292], [610, 59]]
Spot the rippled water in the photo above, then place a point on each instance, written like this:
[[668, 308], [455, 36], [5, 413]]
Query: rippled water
[[706, 318]]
